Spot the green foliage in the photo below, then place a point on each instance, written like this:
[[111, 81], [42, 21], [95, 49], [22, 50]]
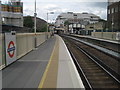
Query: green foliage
[[102, 20], [66, 22], [43, 28], [28, 22]]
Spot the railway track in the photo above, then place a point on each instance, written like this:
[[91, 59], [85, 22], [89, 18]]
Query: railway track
[[111, 53], [94, 74], [99, 43]]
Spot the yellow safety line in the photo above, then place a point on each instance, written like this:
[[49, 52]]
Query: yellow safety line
[[46, 70]]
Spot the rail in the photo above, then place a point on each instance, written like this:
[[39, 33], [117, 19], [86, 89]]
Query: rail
[[81, 72], [95, 60], [107, 51]]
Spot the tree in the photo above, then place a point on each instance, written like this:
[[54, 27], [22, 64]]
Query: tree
[[102, 20], [41, 24], [66, 22], [43, 28], [28, 22]]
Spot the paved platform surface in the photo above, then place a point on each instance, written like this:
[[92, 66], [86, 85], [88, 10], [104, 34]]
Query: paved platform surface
[[27, 72], [50, 66], [67, 73], [61, 71]]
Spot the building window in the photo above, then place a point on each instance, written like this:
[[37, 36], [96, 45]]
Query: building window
[[108, 11], [112, 10], [3, 19], [4, 8], [75, 15], [116, 9]]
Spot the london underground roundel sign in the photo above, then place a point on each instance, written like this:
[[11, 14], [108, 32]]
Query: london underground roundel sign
[[11, 49]]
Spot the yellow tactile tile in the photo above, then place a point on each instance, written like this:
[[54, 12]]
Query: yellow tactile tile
[[49, 79]]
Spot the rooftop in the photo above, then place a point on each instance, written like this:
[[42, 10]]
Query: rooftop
[[72, 15]]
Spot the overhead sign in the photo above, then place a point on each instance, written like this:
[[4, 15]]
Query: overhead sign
[[10, 42]]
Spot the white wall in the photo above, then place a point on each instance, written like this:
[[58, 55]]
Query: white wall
[[105, 35], [24, 43], [2, 55]]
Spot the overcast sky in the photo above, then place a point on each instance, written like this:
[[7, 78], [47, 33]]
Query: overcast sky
[[98, 7]]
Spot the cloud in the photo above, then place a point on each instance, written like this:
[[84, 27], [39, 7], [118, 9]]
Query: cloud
[[98, 7], [66, 1], [60, 1], [100, 4], [51, 7]]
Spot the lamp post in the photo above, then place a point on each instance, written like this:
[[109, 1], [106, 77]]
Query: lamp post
[[93, 27], [112, 23], [47, 22], [35, 15], [112, 27], [102, 28], [47, 19]]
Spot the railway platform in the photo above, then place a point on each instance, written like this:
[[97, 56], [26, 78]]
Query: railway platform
[[99, 39], [50, 66]]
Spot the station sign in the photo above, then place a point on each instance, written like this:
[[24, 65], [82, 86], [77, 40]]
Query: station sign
[[10, 44]]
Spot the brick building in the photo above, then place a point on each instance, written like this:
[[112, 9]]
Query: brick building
[[113, 15]]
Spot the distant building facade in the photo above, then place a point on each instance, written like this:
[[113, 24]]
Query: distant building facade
[[12, 13], [75, 21], [99, 26], [113, 16]]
